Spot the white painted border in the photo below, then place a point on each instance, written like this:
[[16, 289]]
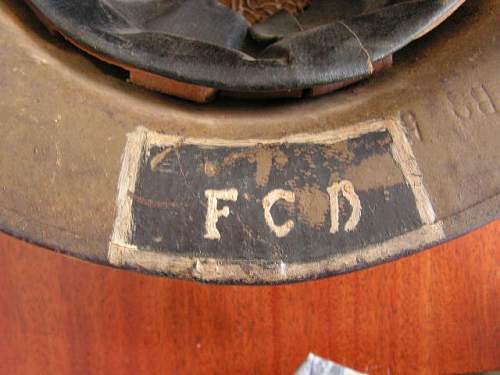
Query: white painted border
[[210, 269], [122, 253], [122, 228]]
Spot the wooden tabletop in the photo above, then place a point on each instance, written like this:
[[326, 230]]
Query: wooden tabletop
[[432, 313]]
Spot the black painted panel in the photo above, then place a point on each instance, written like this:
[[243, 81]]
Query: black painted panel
[[169, 206]]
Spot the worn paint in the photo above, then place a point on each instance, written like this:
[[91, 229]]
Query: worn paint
[[286, 200]]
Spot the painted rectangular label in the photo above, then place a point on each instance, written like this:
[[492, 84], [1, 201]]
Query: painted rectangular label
[[296, 200]]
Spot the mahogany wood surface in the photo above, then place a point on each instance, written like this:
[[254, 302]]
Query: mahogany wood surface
[[433, 313]]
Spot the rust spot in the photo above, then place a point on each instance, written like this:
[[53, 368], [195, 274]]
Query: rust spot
[[211, 169], [389, 174], [264, 160], [313, 205], [280, 159], [264, 157], [341, 151], [233, 157]]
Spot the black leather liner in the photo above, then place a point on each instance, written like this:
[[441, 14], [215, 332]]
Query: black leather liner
[[206, 43]]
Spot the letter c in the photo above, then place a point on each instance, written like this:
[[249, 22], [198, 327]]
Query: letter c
[[268, 202]]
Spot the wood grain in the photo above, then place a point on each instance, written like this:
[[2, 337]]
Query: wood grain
[[432, 313]]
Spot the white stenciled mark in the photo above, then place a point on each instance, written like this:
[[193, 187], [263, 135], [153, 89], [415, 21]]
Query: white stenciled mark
[[123, 252], [268, 202], [283, 267], [213, 214], [404, 157], [347, 189]]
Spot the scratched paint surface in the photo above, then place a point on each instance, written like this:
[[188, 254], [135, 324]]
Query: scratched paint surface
[[169, 204]]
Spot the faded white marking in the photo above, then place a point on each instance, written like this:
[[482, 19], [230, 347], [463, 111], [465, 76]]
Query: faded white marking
[[283, 267], [347, 189], [122, 253], [403, 155], [126, 184], [268, 202], [213, 214], [209, 269], [325, 138]]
